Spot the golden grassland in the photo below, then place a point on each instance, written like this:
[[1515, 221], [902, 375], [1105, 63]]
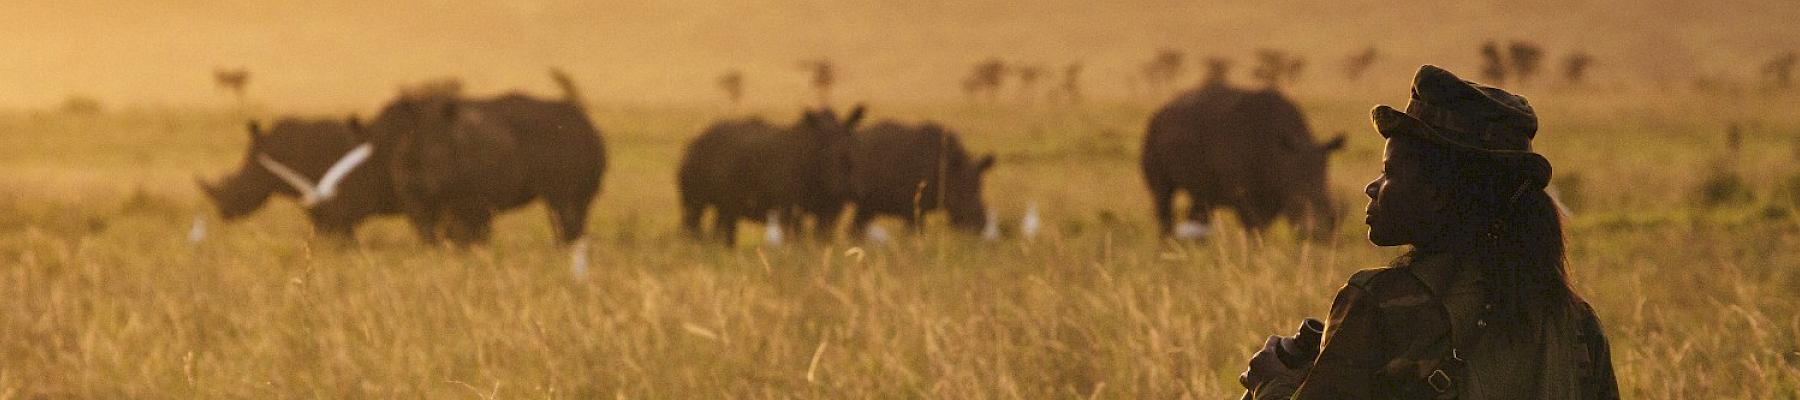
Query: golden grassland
[[101, 296]]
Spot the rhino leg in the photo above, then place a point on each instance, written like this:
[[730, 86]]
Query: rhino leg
[[569, 216], [1197, 223], [725, 226], [335, 232], [1162, 196], [792, 220], [470, 225], [690, 219], [1200, 211], [825, 223], [1165, 211], [1254, 219], [425, 223]]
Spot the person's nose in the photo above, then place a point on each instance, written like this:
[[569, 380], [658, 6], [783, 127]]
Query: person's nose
[[1373, 188]]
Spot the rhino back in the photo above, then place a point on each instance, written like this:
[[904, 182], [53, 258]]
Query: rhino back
[[492, 162], [1244, 147], [557, 139], [890, 160], [746, 165], [1204, 139]]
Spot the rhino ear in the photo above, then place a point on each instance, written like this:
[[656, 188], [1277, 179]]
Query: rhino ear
[[986, 163], [856, 116], [1335, 144], [451, 110], [256, 133], [356, 128], [1290, 143], [211, 191]]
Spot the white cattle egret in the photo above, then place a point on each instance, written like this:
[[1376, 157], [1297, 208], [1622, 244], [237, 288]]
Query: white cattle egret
[[578, 258], [197, 233], [1192, 230], [772, 229], [1029, 225]]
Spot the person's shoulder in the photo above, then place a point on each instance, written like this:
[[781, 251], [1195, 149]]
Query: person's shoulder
[[1589, 320], [1390, 287], [1373, 279]]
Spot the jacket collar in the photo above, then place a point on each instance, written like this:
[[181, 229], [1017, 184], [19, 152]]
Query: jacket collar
[[1438, 270]]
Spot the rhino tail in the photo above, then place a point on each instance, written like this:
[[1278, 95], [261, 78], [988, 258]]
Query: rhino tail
[[567, 84]]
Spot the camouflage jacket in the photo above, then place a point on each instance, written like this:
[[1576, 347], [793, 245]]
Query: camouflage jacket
[[1414, 331]]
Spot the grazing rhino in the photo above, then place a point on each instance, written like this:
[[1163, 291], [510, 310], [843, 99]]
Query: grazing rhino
[[907, 170], [455, 162], [749, 169], [312, 161], [1250, 151]]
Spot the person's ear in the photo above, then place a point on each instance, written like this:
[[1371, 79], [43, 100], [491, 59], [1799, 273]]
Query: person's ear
[[1435, 199]]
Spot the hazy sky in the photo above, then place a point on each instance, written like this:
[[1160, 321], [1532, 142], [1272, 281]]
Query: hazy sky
[[337, 54]]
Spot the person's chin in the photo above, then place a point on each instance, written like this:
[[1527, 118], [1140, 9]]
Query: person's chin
[[1383, 239]]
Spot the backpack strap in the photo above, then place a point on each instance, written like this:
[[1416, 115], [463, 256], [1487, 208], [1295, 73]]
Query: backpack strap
[[1437, 369]]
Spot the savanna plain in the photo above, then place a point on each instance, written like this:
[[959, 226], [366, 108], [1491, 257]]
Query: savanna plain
[[1686, 249], [1684, 237]]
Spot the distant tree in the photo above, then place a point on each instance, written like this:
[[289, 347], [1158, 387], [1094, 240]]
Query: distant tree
[[1162, 71], [732, 82], [1493, 64], [1575, 67], [1359, 63], [232, 79], [824, 76], [1779, 71], [1071, 82], [1296, 66], [78, 104], [1275, 68], [1029, 75], [1734, 138], [1217, 71], [1526, 57], [446, 87], [984, 79]]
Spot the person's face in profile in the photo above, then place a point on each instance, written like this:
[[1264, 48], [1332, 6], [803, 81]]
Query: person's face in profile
[[1403, 206]]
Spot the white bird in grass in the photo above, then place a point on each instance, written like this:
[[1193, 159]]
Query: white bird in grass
[[1192, 230], [991, 230], [772, 229], [197, 233], [578, 258], [877, 234], [1030, 224]]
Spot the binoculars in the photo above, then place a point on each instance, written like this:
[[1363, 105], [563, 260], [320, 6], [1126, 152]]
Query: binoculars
[[1298, 351]]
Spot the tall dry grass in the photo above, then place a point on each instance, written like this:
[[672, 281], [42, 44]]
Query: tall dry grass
[[103, 298]]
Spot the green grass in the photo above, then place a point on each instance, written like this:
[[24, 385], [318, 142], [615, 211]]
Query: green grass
[[104, 298]]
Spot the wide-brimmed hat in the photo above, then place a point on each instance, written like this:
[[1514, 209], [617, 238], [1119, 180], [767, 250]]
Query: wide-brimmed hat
[[1470, 117]]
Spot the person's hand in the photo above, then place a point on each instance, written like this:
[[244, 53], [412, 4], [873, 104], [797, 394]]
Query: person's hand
[[1266, 366]]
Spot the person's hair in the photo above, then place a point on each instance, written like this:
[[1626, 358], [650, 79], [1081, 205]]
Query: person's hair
[[1506, 227]]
